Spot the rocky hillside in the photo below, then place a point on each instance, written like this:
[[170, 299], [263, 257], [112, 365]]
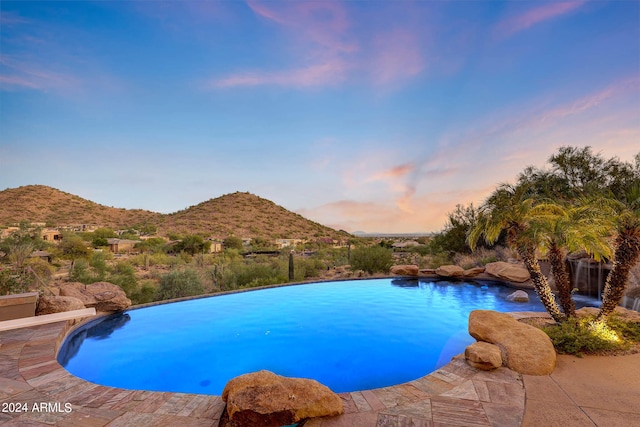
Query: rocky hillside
[[239, 214], [39, 203]]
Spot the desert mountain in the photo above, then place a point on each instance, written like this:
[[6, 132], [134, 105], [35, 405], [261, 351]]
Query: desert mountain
[[239, 214]]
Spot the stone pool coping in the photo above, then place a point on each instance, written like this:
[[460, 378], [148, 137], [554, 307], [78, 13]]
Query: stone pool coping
[[454, 395]]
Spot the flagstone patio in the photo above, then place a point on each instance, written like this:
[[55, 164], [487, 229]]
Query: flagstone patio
[[36, 390]]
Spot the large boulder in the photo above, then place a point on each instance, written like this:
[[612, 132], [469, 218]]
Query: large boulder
[[57, 304], [266, 399], [450, 271], [483, 355], [405, 270], [518, 296], [507, 271], [525, 348], [104, 296], [472, 272]]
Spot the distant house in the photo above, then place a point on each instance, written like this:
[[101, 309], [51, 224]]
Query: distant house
[[283, 243], [7, 231], [43, 255], [51, 235], [215, 247], [118, 246], [405, 244]]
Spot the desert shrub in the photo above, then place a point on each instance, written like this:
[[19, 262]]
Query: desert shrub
[[123, 274], [41, 268], [82, 272], [146, 293], [13, 281], [178, 284], [372, 259], [578, 336]]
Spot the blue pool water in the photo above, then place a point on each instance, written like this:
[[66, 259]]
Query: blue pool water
[[351, 335]]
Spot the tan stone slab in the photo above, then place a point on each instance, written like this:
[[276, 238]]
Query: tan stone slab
[[482, 390], [91, 397], [360, 402], [457, 412], [89, 417], [60, 386], [610, 383], [212, 407], [53, 376], [502, 374], [432, 386], [538, 413], [174, 404], [359, 419], [11, 349], [102, 396], [503, 415], [413, 390], [129, 419], [39, 369], [173, 421], [465, 390], [420, 410], [448, 377], [394, 396], [506, 393], [372, 400], [606, 418], [25, 421], [189, 409], [543, 388], [10, 387], [348, 405]]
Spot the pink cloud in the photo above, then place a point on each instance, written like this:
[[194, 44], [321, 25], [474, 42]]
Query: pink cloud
[[394, 172], [535, 16], [328, 73], [397, 55], [325, 23], [33, 76], [322, 38]]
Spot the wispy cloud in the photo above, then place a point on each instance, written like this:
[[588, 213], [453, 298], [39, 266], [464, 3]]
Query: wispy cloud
[[534, 16], [21, 74], [328, 73], [326, 49], [397, 55]]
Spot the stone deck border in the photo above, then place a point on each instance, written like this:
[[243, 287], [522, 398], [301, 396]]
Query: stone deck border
[[454, 395]]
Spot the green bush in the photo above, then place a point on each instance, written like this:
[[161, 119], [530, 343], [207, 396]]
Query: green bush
[[372, 259], [13, 282], [578, 336], [178, 284]]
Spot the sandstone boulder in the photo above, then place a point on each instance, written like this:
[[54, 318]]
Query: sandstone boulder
[[266, 399], [57, 304], [450, 271], [483, 355], [525, 348], [508, 271], [518, 296], [472, 272], [427, 271], [405, 270], [104, 296]]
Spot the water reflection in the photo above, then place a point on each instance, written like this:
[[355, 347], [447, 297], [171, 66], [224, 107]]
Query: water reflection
[[98, 330]]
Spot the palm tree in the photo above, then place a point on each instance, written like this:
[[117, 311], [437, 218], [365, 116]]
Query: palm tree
[[510, 208], [571, 227], [627, 253]]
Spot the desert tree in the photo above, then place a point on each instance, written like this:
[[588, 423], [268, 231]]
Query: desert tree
[[510, 208]]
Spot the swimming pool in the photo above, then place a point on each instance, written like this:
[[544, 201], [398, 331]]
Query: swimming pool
[[350, 335]]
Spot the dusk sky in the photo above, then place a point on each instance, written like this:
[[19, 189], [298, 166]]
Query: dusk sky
[[377, 116]]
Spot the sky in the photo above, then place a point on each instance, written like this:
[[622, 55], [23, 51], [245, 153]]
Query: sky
[[376, 116]]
